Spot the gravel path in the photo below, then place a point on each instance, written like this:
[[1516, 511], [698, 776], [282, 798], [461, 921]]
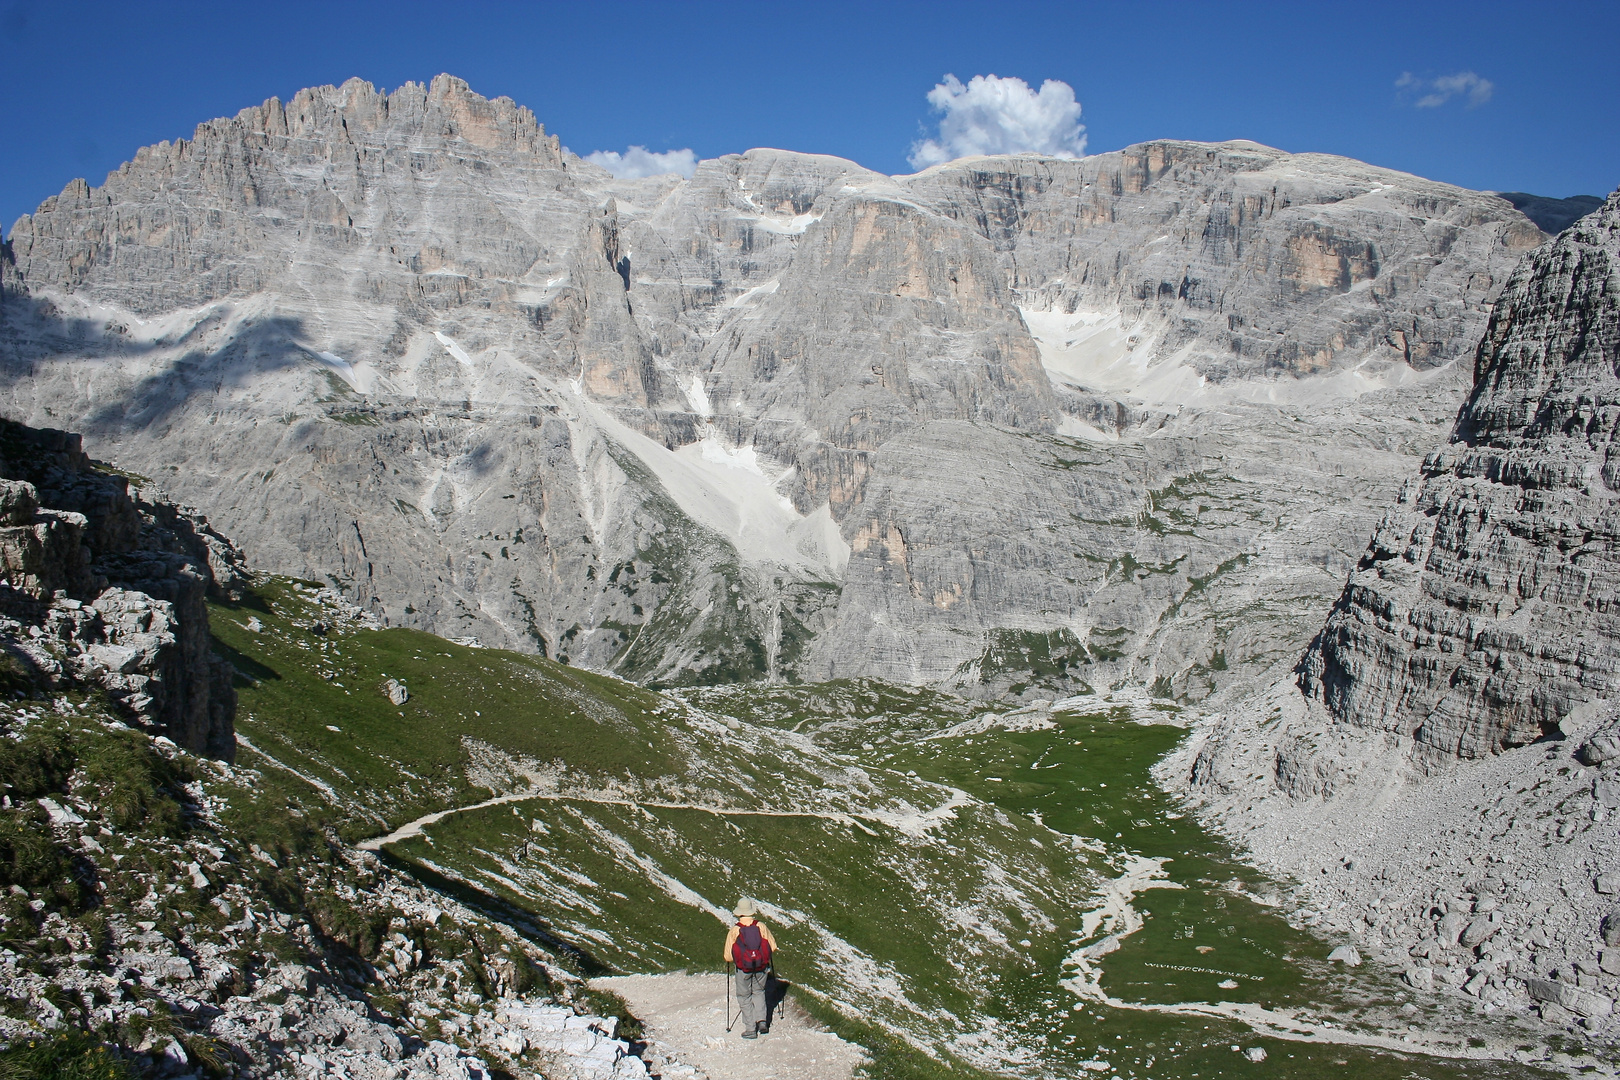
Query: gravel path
[[911, 824], [685, 1021]]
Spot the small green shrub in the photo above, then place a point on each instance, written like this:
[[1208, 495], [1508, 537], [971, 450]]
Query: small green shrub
[[336, 918], [607, 1003], [156, 1024], [526, 977], [284, 837], [134, 786], [214, 1059], [16, 676], [31, 857], [37, 764], [67, 1055], [280, 887], [94, 923]]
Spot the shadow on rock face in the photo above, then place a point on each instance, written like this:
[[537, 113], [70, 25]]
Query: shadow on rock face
[[104, 589], [36, 328]]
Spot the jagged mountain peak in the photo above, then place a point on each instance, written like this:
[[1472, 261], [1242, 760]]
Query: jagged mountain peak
[[431, 331]]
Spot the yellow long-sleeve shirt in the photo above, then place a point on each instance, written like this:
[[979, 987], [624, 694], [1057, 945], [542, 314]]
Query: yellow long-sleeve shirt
[[731, 938]]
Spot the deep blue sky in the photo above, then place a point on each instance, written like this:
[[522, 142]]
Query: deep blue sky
[[82, 85]]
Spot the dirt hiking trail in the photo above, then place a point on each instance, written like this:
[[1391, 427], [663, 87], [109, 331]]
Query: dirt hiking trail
[[685, 1020]]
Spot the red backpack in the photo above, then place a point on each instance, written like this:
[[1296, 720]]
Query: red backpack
[[751, 952]]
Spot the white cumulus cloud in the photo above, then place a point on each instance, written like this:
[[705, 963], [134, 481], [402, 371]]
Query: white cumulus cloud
[[1433, 93], [993, 115], [638, 161]]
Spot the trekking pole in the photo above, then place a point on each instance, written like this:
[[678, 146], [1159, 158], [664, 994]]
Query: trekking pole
[[726, 975]]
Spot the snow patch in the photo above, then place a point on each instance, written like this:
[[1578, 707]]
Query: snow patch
[[453, 349], [713, 448], [361, 378], [1094, 350], [792, 226], [755, 293], [1074, 428], [697, 397], [1098, 352], [728, 489]]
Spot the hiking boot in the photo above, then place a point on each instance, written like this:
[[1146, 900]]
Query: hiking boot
[[750, 1034], [763, 1028]]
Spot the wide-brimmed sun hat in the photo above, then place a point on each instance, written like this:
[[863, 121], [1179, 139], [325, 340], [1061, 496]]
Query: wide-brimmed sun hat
[[745, 907]]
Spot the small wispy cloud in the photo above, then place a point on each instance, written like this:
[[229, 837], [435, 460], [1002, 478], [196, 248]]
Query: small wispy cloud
[[993, 115], [1433, 93], [638, 161]]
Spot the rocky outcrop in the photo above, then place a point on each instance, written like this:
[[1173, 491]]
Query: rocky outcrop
[[41, 552], [1445, 787], [108, 589], [1485, 609], [1487, 879], [406, 344], [320, 959], [191, 221]]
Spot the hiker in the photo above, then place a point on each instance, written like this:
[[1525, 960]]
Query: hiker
[[749, 946]]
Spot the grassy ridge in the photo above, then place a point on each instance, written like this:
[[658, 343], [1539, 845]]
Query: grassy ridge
[[306, 671]]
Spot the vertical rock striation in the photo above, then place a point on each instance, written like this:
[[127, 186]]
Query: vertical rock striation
[[1487, 606]]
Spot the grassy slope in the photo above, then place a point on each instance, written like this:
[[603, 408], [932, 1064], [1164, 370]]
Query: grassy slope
[[1089, 777], [904, 930], [388, 764], [163, 853]]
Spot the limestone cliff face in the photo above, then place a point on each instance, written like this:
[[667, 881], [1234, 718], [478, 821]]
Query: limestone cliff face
[[888, 316], [109, 590], [405, 343], [1258, 263], [1485, 609], [288, 195]]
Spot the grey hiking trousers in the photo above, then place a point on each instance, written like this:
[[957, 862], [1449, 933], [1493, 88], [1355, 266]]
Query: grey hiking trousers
[[751, 998]]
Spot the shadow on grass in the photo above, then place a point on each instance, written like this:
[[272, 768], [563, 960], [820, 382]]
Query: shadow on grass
[[499, 909], [246, 667]]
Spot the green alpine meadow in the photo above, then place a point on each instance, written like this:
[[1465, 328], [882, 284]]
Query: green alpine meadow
[[928, 860]]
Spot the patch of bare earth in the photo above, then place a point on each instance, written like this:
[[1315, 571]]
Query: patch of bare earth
[[685, 1020]]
